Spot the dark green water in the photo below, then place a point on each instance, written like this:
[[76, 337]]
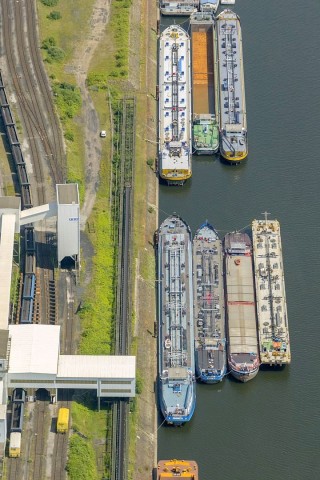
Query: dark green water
[[269, 427]]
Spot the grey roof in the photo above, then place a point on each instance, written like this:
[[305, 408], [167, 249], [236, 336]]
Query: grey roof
[[67, 194], [10, 202]]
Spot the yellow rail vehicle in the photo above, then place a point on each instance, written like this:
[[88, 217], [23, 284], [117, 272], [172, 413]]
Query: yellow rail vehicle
[[63, 420]]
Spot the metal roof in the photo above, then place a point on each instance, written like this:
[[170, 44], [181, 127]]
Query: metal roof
[[34, 349], [96, 366], [67, 193]]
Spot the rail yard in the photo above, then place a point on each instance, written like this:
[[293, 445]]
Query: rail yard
[[44, 297]]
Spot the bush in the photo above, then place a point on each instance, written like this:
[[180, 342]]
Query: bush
[[69, 136], [54, 15], [67, 97], [49, 3], [56, 54], [97, 80], [81, 461], [48, 42]]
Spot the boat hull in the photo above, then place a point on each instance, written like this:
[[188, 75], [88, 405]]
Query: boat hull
[[174, 125], [244, 376], [243, 351], [209, 308], [177, 395], [231, 91]]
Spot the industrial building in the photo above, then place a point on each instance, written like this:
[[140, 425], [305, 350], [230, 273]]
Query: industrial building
[[30, 354]]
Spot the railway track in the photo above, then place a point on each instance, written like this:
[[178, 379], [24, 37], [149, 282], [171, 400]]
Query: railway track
[[20, 42], [59, 458], [27, 79], [38, 451], [124, 188]]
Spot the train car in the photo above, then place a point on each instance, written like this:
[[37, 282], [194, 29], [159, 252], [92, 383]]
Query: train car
[[17, 417], [63, 420], [29, 239], [19, 395], [30, 263], [26, 313], [29, 282], [15, 444]]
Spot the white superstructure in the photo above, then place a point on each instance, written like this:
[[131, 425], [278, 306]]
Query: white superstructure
[[273, 329], [174, 105], [178, 7]]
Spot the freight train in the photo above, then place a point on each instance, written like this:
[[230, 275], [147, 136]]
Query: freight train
[[18, 401]]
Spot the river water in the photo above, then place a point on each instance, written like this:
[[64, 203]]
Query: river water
[[269, 427]]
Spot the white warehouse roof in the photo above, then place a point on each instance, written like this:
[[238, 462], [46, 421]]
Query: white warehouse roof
[[34, 349], [96, 366]]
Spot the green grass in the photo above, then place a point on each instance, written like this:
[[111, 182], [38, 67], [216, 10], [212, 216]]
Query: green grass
[[90, 427], [66, 35], [81, 460]]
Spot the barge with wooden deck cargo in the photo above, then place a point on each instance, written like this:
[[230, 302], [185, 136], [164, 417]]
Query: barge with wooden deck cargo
[[184, 469], [177, 394], [233, 115], [205, 129], [274, 341], [174, 106], [209, 312], [243, 353]]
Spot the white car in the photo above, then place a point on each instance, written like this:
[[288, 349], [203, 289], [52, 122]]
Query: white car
[[103, 133]]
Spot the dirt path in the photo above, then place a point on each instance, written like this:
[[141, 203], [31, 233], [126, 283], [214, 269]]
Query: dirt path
[[80, 66]]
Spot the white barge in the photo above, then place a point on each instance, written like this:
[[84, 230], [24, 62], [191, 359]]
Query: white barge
[[174, 106]]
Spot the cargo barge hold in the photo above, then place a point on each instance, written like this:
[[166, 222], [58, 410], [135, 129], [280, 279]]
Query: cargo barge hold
[[274, 342], [178, 7], [205, 129], [187, 469], [209, 311], [233, 115], [177, 395], [243, 354], [174, 106]]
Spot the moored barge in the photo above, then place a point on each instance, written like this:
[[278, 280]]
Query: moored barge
[[177, 395], [243, 354], [209, 312], [205, 129], [233, 115], [174, 106], [274, 342]]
